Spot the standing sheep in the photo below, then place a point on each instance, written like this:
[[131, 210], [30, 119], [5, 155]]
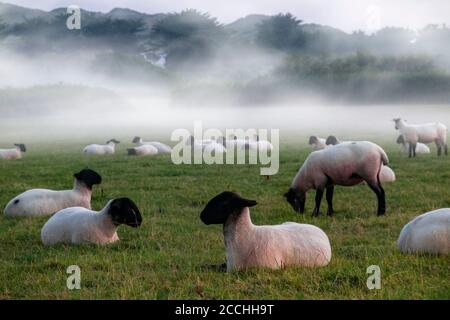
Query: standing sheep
[[13, 153], [40, 202], [427, 233], [277, 246], [77, 225], [425, 133], [101, 149], [346, 164]]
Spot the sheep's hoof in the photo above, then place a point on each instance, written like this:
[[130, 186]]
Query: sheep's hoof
[[330, 213]]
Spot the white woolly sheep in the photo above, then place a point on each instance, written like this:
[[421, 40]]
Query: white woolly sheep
[[40, 202], [143, 150], [270, 246], [427, 233], [345, 164], [425, 133], [317, 143], [386, 173], [13, 153], [421, 148], [205, 146], [161, 147], [79, 225], [101, 149]]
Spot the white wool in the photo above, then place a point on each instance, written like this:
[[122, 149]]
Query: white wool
[[161, 147], [341, 163], [319, 144], [427, 233], [100, 149], [79, 225], [10, 154], [40, 202], [277, 246], [144, 150]]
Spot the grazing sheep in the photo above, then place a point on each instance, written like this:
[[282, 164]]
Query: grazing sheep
[[386, 174], [40, 202], [317, 143], [346, 164], [101, 149], [13, 153], [427, 233], [421, 148], [277, 246], [425, 133], [79, 225], [143, 150], [161, 147]]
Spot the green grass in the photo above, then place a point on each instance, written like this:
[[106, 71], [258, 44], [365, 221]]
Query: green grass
[[168, 257]]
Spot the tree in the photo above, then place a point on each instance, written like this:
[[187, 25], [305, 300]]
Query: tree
[[281, 32]]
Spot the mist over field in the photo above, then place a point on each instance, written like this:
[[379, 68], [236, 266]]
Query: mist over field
[[126, 72]]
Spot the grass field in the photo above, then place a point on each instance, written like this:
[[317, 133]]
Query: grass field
[[169, 257]]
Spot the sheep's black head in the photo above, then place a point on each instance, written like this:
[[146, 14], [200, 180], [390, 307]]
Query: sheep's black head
[[21, 146], [125, 211], [400, 139], [296, 199], [331, 140], [136, 139], [219, 208], [132, 152], [397, 121], [88, 177], [313, 140], [113, 141]]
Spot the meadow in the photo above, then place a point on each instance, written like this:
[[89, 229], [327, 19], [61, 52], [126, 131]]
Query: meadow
[[173, 255]]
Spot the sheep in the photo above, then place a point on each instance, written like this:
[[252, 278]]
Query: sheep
[[346, 164], [40, 202], [271, 246], [101, 149], [259, 145], [425, 133], [143, 150], [13, 153], [386, 174], [427, 233], [78, 225], [205, 146], [421, 148], [317, 143], [161, 147]]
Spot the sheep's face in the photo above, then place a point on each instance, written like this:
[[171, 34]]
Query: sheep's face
[[219, 208], [313, 140], [296, 199], [397, 121], [400, 139], [136, 139], [331, 140], [21, 146], [88, 177], [125, 211]]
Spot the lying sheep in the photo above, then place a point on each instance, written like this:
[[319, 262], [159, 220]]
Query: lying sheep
[[77, 225], [421, 148], [386, 174], [206, 146], [101, 149], [427, 233], [317, 143], [143, 150], [40, 202], [277, 246], [161, 147], [424, 133], [13, 153], [346, 164]]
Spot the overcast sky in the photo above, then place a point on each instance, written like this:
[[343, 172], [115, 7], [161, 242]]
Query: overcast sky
[[347, 15]]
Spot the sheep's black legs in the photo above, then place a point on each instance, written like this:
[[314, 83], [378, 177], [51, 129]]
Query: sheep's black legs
[[330, 190], [446, 149], [439, 148], [379, 191], [319, 194]]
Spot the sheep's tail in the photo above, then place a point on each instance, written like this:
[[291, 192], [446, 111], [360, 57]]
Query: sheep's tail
[[132, 152], [384, 157]]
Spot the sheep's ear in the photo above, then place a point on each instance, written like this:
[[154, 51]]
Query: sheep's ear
[[237, 203]]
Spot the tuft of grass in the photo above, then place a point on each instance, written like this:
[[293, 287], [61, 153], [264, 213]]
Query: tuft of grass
[[172, 256]]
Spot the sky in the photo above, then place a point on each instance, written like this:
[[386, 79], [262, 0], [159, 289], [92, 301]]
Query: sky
[[347, 15]]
